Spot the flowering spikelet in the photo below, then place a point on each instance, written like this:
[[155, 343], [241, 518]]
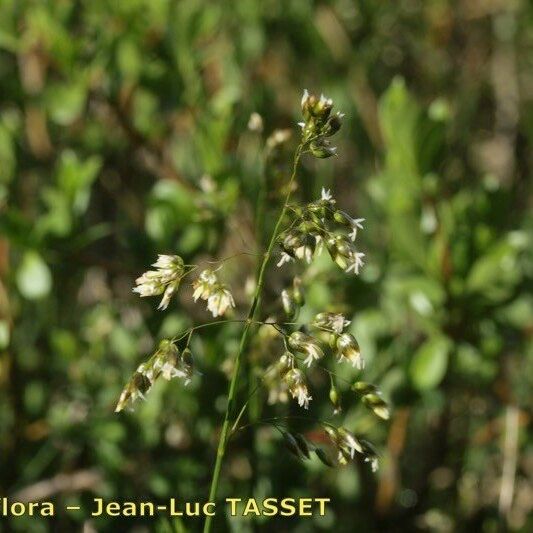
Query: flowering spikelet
[[136, 388], [220, 300], [303, 343], [296, 244], [165, 280], [166, 362], [345, 442], [289, 305], [348, 348], [344, 253], [218, 296], [204, 285], [273, 379], [169, 363], [334, 398], [334, 322], [348, 442], [371, 397], [295, 381], [293, 298], [284, 258], [320, 210], [326, 196], [347, 445], [346, 220], [371, 455]]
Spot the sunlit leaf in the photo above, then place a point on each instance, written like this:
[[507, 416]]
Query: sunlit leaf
[[34, 279], [429, 363]]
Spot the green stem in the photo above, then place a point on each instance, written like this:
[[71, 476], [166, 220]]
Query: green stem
[[253, 402], [221, 450]]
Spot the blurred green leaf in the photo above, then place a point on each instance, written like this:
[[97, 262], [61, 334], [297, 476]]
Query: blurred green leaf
[[75, 177], [5, 334], [7, 156], [128, 59], [34, 279], [66, 101], [495, 272], [171, 206], [429, 363], [58, 219], [398, 115], [519, 313]]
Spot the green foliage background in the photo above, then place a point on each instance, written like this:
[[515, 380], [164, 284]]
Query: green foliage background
[[123, 133]]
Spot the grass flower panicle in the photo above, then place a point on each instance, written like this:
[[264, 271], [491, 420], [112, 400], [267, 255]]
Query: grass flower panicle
[[301, 232]]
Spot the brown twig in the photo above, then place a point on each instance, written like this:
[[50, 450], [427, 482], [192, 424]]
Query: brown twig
[[153, 154], [510, 460], [74, 482]]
